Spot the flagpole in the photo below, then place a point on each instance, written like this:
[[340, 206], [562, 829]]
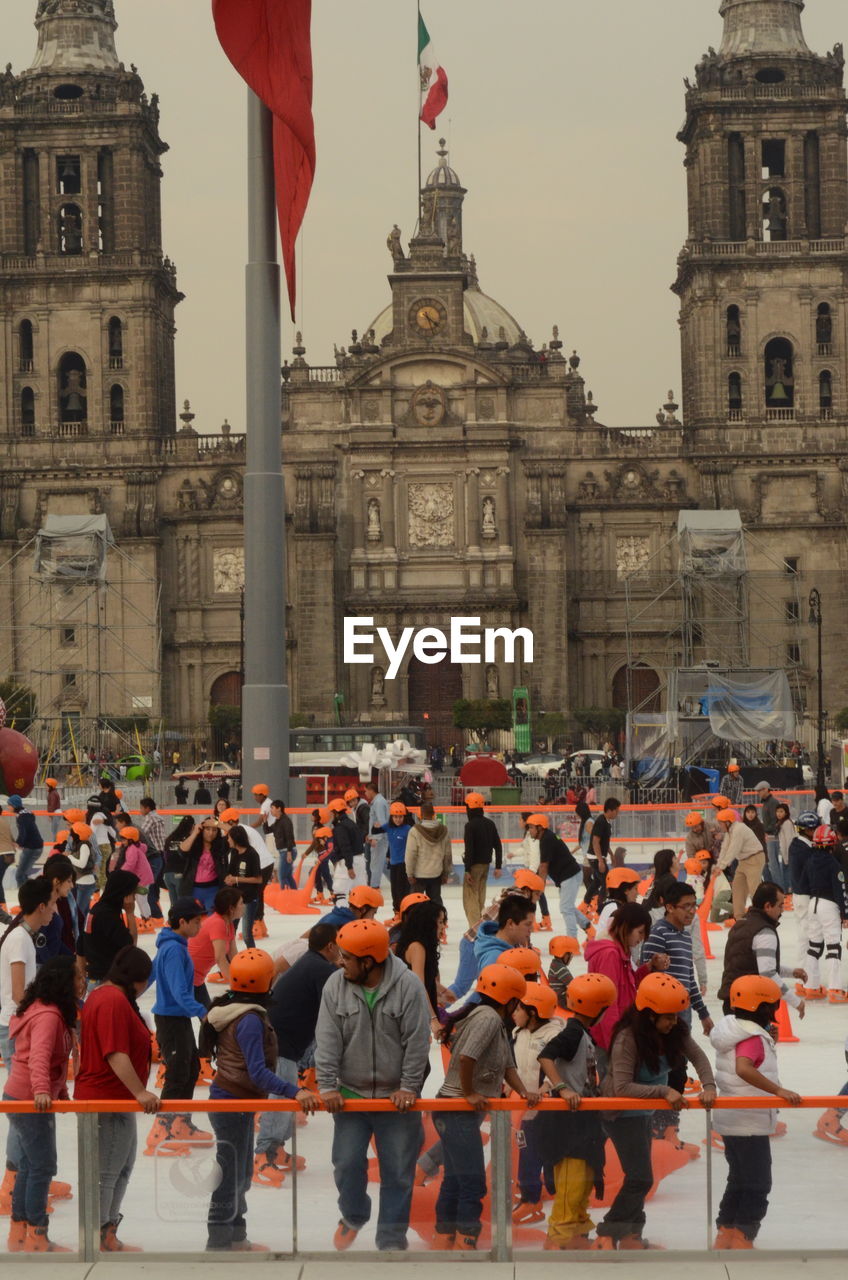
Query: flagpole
[[265, 695], [418, 123]]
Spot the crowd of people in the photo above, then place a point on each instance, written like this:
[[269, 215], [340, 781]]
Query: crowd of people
[[355, 1008]]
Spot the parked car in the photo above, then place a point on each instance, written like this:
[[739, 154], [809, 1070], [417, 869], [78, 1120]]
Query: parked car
[[538, 766], [208, 769], [594, 758]]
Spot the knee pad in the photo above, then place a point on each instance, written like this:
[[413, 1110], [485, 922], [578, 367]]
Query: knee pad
[[815, 949], [834, 951]]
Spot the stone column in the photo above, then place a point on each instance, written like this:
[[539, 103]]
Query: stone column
[[357, 510], [472, 508], [388, 510], [502, 513]]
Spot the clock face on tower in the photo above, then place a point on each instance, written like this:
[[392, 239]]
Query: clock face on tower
[[427, 316]]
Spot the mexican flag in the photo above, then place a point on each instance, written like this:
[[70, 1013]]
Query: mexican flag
[[433, 77]]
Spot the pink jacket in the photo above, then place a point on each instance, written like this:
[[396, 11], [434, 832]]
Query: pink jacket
[[609, 958], [42, 1046], [136, 862]]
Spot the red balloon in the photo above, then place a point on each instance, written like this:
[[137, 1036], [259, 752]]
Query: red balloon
[[18, 763]]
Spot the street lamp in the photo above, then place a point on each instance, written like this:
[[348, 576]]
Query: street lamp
[[816, 621]]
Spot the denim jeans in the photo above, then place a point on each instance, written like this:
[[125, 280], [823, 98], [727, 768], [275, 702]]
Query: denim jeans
[[117, 1141], [460, 1202], [775, 870], [36, 1166], [172, 884], [379, 850], [466, 973], [83, 893], [13, 1141], [205, 895], [156, 861], [27, 859], [248, 920], [275, 1127], [225, 1222], [531, 1168], [285, 874], [631, 1137], [569, 891], [397, 1138]]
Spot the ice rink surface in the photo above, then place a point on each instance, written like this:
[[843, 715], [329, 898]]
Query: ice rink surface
[[165, 1208]]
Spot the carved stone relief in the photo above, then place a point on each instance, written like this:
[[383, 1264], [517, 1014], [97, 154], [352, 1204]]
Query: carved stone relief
[[227, 569], [631, 554], [431, 515]]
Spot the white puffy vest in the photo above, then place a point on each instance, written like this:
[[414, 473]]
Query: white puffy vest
[[724, 1037]]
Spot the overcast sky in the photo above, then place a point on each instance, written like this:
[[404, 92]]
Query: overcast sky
[[562, 122]]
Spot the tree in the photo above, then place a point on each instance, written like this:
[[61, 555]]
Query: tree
[[225, 723], [549, 725], [20, 704], [481, 716], [600, 720], [841, 720]]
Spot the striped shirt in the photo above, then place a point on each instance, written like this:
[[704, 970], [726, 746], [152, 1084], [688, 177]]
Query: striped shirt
[[765, 952], [665, 940]]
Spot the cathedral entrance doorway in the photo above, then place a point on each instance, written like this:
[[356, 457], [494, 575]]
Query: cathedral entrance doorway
[[645, 685], [432, 691]]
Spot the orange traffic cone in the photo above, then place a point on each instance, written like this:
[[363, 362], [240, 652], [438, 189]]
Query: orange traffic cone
[[703, 920], [785, 1034]]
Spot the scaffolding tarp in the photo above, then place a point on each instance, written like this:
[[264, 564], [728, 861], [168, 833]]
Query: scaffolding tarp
[[712, 543], [740, 705], [73, 547], [650, 737]]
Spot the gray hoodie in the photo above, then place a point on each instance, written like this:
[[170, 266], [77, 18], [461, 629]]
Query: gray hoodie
[[373, 1052]]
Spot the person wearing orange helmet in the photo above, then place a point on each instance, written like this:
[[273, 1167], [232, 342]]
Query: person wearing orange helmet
[[481, 1064], [82, 854], [397, 831], [237, 1035], [536, 1023], [54, 805], [372, 1040], [702, 832], [574, 1143], [622, 886], [650, 1041], [482, 843], [562, 949], [732, 785], [746, 1064], [741, 845], [348, 850], [131, 855]]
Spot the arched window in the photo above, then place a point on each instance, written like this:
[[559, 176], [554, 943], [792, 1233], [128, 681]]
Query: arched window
[[734, 395], [27, 412], [824, 328], [775, 221], [25, 346], [779, 375], [116, 344], [825, 393], [73, 398], [734, 332], [70, 229], [116, 409]]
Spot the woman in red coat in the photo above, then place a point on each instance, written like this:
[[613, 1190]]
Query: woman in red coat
[[613, 956]]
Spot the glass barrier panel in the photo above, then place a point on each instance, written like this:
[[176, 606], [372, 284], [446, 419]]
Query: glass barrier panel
[[40, 1182]]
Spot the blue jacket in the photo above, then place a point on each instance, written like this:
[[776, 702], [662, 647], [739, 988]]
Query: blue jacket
[[821, 877], [338, 916], [173, 973], [799, 851], [397, 837], [487, 946]]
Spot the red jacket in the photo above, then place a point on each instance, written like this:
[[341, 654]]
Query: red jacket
[[42, 1046], [609, 958]]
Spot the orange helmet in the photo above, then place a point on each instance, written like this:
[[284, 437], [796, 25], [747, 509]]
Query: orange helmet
[[720, 802], [126, 833], [662, 994], [620, 876], [398, 810], [590, 994], [83, 830], [251, 970], [363, 895], [230, 815], [540, 998], [118, 792], [337, 806], [537, 820], [524, 959], [727, 815], [73, 815], [694, 819], [752, 990], [693, 866], [703, 855], [733, 768], [324, 833], [351, 794], [60, 836], [325, 815], [562, 945], [260, 789], [525, 879], [364, 938], [474, 800], [501, 983], [412, 900], [50, 782]]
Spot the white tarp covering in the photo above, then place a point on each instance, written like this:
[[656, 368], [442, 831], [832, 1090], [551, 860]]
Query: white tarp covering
[[712, 543], [73, 547], [650, 736], [740, 705]]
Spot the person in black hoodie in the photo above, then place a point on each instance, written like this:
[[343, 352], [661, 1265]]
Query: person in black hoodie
[[482, 842], [105, 932]]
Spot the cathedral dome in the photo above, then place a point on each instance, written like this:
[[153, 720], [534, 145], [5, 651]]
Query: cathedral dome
[[479, 312], [762, 26]]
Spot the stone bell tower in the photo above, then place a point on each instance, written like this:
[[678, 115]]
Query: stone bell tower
[[87, 343], [762, 276]]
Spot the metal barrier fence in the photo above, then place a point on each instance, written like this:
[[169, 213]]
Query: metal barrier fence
[[302, 1219]]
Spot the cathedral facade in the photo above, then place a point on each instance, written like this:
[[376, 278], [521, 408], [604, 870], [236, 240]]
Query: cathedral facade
[[441, 464]]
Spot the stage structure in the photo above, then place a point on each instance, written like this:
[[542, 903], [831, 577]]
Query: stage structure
[[82, 632], [710, 611]]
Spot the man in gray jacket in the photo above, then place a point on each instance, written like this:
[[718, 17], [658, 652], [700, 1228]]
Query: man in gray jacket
[[372, 1041]]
